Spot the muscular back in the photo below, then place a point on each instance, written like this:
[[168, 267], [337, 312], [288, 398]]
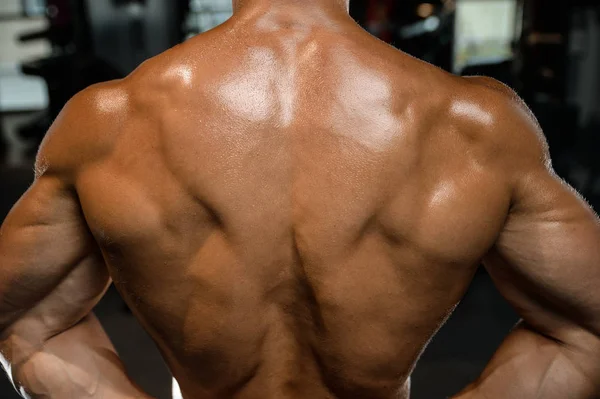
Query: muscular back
[[292, 210]]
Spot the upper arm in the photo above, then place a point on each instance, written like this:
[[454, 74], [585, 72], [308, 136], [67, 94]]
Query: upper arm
[[51, 271], [546, 261]]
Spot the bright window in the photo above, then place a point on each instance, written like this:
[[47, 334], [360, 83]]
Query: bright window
[[485, 30]]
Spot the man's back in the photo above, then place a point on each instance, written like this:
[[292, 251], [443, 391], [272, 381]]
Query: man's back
[[292, 208], [295, 211]]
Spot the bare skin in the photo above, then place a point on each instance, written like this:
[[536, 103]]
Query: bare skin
[[292, 209]]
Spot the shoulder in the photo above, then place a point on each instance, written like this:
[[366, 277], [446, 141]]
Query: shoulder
[[85, 128], [499, 119], [175, 68], [91, 122], [503, 105]]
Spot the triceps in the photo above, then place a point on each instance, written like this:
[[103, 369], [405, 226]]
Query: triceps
[[51, 270]]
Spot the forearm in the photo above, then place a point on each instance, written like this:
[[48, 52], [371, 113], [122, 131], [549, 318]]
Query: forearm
[[78, 363], [530, 366]]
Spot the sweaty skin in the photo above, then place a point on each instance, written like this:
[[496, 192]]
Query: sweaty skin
[[292, 209]]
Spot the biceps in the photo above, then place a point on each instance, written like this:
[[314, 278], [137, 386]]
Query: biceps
[[44, 246]]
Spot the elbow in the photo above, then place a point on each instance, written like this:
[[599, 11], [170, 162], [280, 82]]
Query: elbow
[[9, 316]]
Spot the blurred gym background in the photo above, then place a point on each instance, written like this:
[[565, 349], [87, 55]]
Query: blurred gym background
[[548, 51]]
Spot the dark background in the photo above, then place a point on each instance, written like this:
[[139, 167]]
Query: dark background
[[553, 61]]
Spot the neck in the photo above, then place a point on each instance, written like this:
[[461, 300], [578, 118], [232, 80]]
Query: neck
[[333, 5]]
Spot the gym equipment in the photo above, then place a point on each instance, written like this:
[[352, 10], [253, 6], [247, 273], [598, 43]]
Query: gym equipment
[[94, 41]]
